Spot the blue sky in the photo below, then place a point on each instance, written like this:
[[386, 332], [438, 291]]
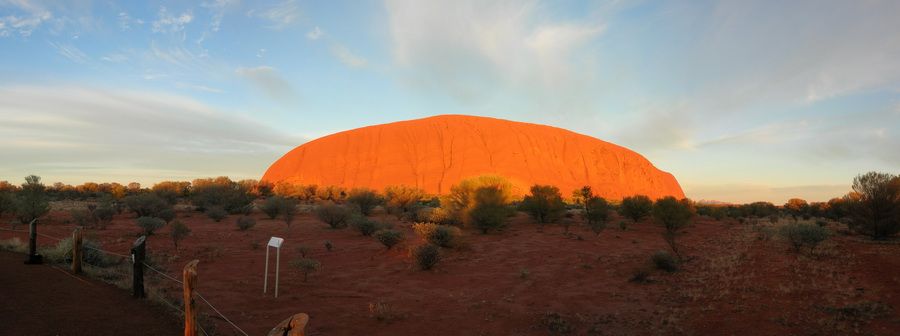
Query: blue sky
[[740, 100]]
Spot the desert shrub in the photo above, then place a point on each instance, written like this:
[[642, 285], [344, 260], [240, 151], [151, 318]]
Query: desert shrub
[[104, 215], [329, 246], [221, 192], [167, 214], [596, 212], [389, 238], [875, 205], [81, 217], [146, 205], [636, 207], [217, 214], [91, 255], [796, 207], [272, 206], [306, 266], [288, 210], [463, 199], [640, 275], [555, 323], [149, 224], [440, 216], [171, 190], [623, 225], [664, 261], [302, 250], [179, 232], [673, 215], [31, 201], [7, 202], [545, 204], [426, 256], [382, 311], [440, 235], [489, 210], [801, 234], [244, 223], [13, 244], [365, 200], [402, 199], [365, 226], [336, 216]]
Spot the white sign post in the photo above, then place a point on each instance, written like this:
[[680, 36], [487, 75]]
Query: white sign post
[[276, 243]]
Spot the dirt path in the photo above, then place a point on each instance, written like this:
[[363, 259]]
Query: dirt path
[[45, 300]]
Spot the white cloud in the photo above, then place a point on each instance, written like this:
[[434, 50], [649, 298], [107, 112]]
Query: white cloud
[[218, 9], [475, 50], [269, 81], [169, 23], [315, 34], [70, 52], [204, 88], [31, 16], [115, 58], [126, 22], [281, 15], [107, 134], [348, 58]]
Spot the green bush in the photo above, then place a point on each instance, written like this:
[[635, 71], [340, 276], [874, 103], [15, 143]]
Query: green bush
[[426, 256], [221, 192], [801, 234], [365, 200], [217, 214], [440, 235], [664, 261], [150, 224], [389, 238], [875, 207], [272, 206], [636, 207], [673, 215], [179, 232], [334, 215], [104, 215], [545, 204], [365, 226], [401, 200], [489, 211], [91, 255], [167, 214], [244, 223], [307, 266], [146, 204], [31, 201], [288, 210], [596, 212]]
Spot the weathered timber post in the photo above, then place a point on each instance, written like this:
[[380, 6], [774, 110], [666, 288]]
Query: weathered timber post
[[33, 257], [292, 326], [138, 252], [77, 250], [189, 277]]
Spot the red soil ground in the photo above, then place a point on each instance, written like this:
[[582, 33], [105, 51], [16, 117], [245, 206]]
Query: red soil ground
[[505, 283], [47, 300]]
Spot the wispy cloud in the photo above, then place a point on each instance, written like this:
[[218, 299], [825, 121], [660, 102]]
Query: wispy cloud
[[315, 34], [348, 58], [473, 51], [30, 16], [169, 23], [204, 88], [269, 81], [126, 22], [279, 16], [70, 52], [80, 133], [218, 8]]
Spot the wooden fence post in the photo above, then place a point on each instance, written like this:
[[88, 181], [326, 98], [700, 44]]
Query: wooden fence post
[[189, 277], [292, 326], [138, 252], [77, 250], [33, 257]]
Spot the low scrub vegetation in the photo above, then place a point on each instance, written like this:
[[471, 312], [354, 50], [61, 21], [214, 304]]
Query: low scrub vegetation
[[336, 216], [389, 238], [365, 200], [544, 204], [426, 256], [664, 261], [673, 215], [178, 233], [149, 224], [306, 266], [801, 235], [440, 235], [244, 223]]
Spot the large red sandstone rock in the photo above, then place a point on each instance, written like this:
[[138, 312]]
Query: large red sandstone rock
[[437, 152]]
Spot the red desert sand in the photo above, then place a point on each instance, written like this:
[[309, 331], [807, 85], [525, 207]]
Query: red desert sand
[[437, 152]]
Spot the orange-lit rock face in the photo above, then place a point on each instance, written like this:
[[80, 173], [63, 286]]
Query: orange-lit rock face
[[437, 152]]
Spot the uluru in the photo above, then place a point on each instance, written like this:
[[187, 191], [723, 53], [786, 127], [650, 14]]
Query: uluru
[[437, 152]]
